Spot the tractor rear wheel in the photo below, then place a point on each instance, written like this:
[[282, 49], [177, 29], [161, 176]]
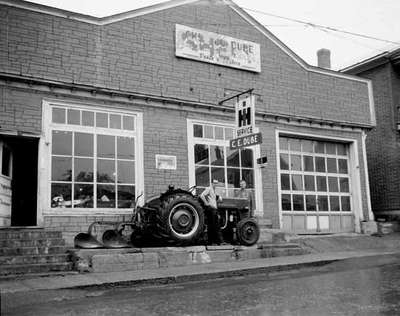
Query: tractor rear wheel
[[247, 231], [181, 217]]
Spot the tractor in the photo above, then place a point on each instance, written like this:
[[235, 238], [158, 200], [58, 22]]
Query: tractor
[[176, 217]]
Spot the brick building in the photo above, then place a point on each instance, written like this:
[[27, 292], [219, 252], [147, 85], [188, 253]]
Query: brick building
[[383, 142], [94, 111]]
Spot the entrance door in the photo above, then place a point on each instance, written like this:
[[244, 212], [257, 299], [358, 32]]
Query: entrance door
[[5, 184], [19, 176]]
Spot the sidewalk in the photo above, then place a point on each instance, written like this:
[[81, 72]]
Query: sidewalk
[[325, 250]]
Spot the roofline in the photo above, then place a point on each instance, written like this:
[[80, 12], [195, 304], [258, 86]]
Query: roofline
[[372, 62], [174, 3]]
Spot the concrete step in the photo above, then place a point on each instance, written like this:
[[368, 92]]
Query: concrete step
[[7, 234], [39, 242], [33, 259], [23, 251], [18, 269]]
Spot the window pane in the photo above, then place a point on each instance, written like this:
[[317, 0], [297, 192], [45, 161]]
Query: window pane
[[105, 170], [333, 184], [295, 144], [83, 195], [87, 118], [284, 159], [217, 155], [295, 162], [125, 147], [308, 163], [58, 115], [106, 196], [83, 144], [286, 202], [128, 123], [283, 143], [343, 166], [83, 170], [320, 164], [60, 195], [248, 176], [126, 171], [219, 133], [298, 202], [101, 120], [61, 143], [232, 158], [202, 176], [331, 163], [307, 146], [346, 204], [74, 117], [233, 178], [126, 196], [6, 162], [341, 149], [285, 182], [61, 169], [218, 174], [321, 184], [334, 201], [115, 121], [320, 147], [331, 148], [105, 146], [297, 182], [344, 184], [311, 203], [201, 154], [309, 183], [246, 156], [228, 133], [197, 130], [323, 203], [208, 131]]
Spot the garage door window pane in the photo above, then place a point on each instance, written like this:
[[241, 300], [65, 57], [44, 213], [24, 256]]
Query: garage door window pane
[[286, 202], [343, 166], [311, 203], [333, 184], [323, 203], [321, 184], [295, 162], [297, 182], [331, 163], [320, 164], [334, 201], [285, 182], [308, 163], [298, 202], [309, 183], [87, 118], [344, 185], [346, 204]]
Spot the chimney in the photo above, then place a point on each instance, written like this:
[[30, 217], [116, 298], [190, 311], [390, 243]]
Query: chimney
[[324, 58]]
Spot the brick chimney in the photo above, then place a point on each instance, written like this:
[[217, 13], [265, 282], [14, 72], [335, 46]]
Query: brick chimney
[[324, 58]]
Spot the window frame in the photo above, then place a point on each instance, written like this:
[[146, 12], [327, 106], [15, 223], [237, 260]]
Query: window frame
[[45, 149]]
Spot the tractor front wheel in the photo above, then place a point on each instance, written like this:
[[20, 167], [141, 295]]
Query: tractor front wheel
[[247, 231]]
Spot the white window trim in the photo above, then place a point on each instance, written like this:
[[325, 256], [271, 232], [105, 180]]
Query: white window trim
[[44, 172], [259, 211], [354, 173]]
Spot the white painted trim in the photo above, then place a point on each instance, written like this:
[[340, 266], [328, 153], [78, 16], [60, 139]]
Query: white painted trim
[[278, 176], [367, 189], [259, 211], [45, 156], [371, 103], [354, 171]]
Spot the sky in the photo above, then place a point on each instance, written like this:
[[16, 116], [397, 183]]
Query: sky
[[374, 18]]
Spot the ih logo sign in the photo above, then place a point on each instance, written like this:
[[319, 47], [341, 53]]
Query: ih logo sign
[[245, 116]]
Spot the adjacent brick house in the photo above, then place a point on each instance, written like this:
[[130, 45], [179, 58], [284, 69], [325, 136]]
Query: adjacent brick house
[[383, 142], [89, 104]]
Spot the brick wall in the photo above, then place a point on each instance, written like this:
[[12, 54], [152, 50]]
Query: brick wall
[[137, 55], [383, 142]]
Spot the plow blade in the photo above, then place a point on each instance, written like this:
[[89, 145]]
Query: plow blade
[[87, 241], [113, 239]]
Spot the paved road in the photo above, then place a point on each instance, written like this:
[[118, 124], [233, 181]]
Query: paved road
[[355, 287]]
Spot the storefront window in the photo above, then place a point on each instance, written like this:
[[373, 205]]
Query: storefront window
[[93, 159]]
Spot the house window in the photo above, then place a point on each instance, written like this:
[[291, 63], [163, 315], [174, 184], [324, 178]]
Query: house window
[[93, 159]]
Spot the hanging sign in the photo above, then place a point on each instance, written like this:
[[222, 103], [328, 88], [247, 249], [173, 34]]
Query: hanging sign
[[216, 48]]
